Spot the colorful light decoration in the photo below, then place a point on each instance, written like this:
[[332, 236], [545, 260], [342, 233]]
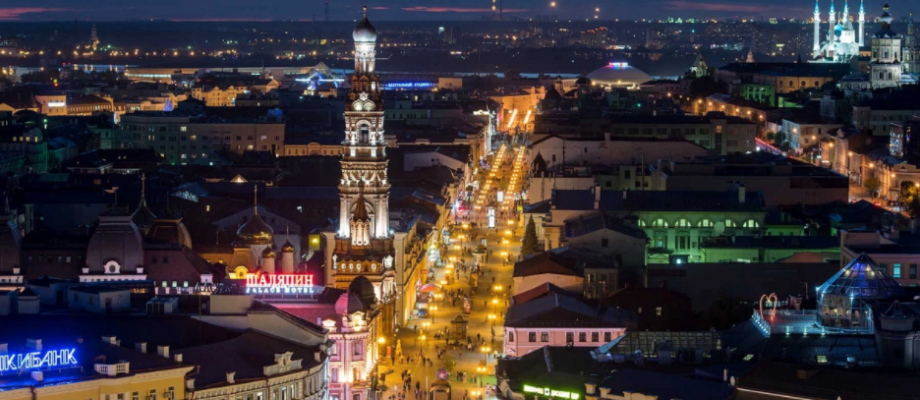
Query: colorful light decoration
[[618, 65]]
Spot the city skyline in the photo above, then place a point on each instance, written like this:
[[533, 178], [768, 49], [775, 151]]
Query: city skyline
[[407, 10]]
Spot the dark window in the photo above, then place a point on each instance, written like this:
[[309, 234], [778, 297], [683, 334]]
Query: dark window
[[532, 337], [627, 174], [582, 337], [913, 271], [511, 337], [594, 336], [606, 336], [604, 242], [544, 337], [569, 338]]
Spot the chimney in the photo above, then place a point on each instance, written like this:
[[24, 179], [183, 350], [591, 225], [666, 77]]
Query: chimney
[[741, 194], [597, 197], [34, 344], [590, 387], [230, 377], [141, 347], [109, 339], [190, 384], [178, 358], [163, 351]]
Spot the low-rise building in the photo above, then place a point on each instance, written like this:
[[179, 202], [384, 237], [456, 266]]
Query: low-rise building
[[675, 221], [560, 320]]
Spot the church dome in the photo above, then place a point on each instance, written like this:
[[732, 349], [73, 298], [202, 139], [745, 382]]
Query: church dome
[[287, 247], [142, 217], [255, 231], [348, 303], [618, 75], [269, 252], [364, 31]]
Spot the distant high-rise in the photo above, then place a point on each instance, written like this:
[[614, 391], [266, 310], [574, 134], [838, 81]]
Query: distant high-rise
[[451, 34], [94, 38]]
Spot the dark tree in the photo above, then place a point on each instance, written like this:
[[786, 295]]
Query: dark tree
[[529, 245]]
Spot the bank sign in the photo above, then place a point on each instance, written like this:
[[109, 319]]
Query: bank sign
[[550, 392], [280, 284], [37, 360]]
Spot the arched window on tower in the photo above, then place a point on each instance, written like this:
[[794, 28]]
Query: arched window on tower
[[365, 133]]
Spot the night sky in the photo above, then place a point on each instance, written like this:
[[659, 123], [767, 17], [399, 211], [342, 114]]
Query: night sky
[[402, 10]]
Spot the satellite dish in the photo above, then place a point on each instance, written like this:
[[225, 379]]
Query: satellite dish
[[719, 227]]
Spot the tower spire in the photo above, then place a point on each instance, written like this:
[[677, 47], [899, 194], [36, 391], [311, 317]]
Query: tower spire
[[255, 199], [143, 190]]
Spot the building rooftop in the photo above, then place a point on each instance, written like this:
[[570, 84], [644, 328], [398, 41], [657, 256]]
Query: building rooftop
[[596, 221], [559, 310], [633, 200], [665, 386], [247, 355]]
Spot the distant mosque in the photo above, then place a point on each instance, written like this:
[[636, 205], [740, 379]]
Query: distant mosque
[[842, 41]]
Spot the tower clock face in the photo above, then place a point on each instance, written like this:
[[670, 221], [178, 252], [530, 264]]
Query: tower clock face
[[369, 106], [358, 106]]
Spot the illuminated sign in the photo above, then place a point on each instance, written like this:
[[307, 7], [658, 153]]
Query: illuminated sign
[[37, 360], [281, 283], [551, 393], [57, 104], [408, 85], [619, 65]]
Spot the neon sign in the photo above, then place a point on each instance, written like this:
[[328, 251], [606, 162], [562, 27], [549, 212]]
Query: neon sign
[[618, 65], [550, 392], [408, 85], [37, 360], [281, 283]]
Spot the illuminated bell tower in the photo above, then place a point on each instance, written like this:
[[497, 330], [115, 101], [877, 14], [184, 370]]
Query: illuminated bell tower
[[362, 252], [364, 162]]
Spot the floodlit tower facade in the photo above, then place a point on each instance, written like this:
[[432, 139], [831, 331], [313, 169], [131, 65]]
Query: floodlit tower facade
[[364, 163]]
